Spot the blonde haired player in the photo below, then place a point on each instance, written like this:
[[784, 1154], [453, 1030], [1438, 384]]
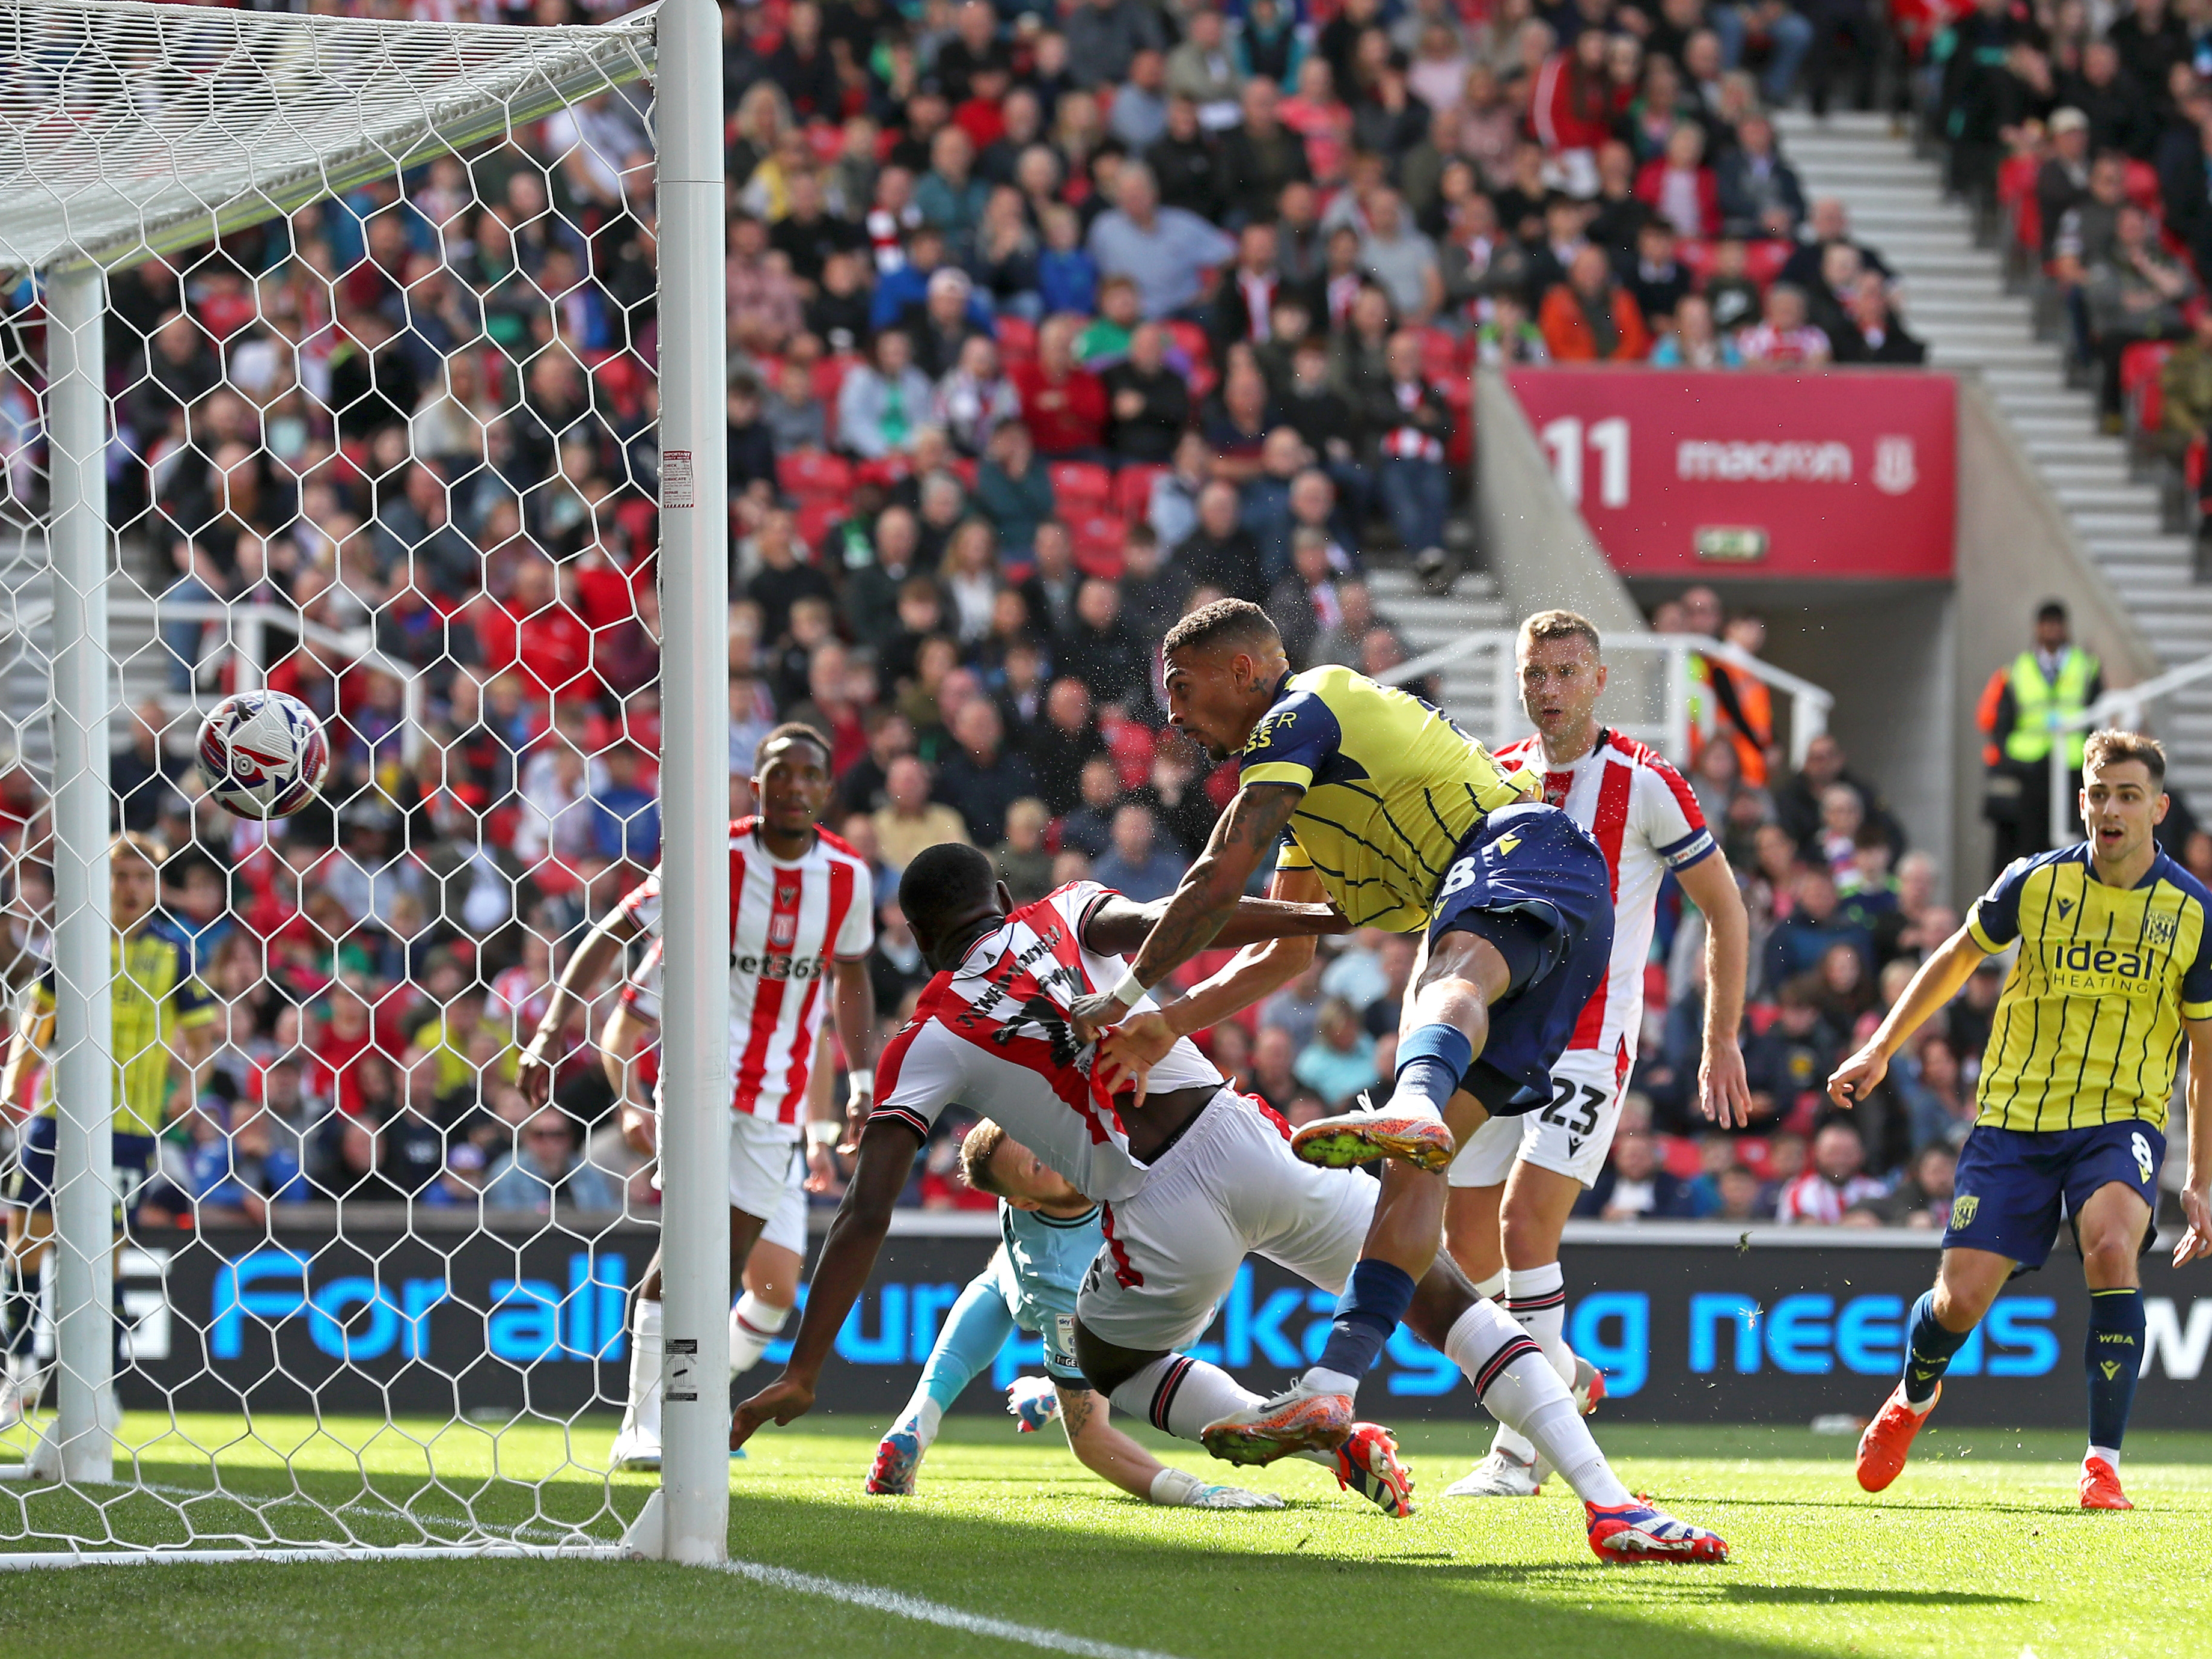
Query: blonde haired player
[[1515, 1183]]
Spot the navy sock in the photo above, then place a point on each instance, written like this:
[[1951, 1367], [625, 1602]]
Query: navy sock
[[1430, 1063], [18, 1312], [1929, 1348], [1373, 1303], [2112, 1359]]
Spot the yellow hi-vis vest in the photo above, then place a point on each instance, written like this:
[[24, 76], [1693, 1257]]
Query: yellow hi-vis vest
[[2039, 705]]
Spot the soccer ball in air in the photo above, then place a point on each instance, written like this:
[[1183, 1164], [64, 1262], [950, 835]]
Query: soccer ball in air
[[263, 754]]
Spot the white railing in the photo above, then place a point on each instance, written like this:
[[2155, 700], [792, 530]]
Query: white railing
[[245, 630], [2122, 706], [1650, 674]]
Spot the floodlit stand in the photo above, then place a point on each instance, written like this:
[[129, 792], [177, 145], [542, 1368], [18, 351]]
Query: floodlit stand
[[278, 112]]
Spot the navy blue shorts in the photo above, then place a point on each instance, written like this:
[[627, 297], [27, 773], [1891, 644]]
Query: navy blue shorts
[[1537, 865], [2011, 1183], [31, 1182]]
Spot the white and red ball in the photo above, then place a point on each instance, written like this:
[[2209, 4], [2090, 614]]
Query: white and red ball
[[263, 754]]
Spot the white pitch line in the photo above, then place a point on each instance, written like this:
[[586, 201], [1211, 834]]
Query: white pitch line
[[922, 1611]]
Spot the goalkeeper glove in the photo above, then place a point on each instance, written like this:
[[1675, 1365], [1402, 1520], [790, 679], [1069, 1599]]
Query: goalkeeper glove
[[1032, 1401]]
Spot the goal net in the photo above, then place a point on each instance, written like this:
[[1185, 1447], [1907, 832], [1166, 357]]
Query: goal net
[[334, 367]]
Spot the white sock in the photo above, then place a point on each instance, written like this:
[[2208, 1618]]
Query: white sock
[[922, 1414], [753, 1325], [1322, 1380], [1492, 1288], [1521, 1390], [1917, 1407], [2110, 1454], [1180, 1395], [643, 1412], [1537, 1299]]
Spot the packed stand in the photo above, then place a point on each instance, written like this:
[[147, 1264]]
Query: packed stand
[[1044, 328]]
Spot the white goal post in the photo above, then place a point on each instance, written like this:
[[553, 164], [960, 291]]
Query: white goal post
[[132, 130]]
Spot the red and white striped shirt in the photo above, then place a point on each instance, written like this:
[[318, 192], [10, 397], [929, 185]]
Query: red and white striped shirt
[[789, 922], [1647, 822], [993, 1034]]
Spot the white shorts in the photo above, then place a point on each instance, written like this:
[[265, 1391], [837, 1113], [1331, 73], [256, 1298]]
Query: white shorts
[[768, 1176], [1229, 1188], [1570, 1136]]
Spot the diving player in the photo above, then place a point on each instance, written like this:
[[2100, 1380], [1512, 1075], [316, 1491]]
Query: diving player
[[1193, 1177], [1048, 1235], [1399, 819], [2115, 966]]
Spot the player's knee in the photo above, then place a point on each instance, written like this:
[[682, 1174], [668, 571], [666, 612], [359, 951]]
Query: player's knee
[[2109, 1258]]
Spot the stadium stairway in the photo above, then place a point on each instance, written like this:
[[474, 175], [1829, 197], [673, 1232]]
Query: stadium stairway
[[1956, 301], [1469, 686]]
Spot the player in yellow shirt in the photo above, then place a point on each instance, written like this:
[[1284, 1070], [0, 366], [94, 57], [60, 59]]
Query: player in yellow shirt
[[1387, 809], [163, 1030], [2115, 966]]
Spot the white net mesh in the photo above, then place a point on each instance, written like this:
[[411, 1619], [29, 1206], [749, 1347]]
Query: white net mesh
[[383, 436]]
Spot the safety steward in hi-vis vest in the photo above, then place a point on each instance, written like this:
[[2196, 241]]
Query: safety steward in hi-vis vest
[[2022, 711]]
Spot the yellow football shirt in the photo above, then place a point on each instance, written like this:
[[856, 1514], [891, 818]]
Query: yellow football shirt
[[2089, 1025], [154, 997], [1392, 788]]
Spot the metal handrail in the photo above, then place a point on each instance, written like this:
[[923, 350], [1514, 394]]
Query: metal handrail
[[1810, 704], [246, 628]]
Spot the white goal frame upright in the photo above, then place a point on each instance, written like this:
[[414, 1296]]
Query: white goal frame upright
[[69, 223]]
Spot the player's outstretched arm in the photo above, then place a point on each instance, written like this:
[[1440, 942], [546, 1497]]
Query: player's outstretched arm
[[848, 1256], [587, 967], [1939, 979], [1723, 1092], [1113, 1456], [1202, 905], [2197, 1193], [1137, 1044]]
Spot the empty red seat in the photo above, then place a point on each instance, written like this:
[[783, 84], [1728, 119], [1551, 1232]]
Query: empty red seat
[[809, 474], [1764, 259], [814, 517], [2142, 187], [1100, 540], [885, 470], [1081, 486], [1133, 491]]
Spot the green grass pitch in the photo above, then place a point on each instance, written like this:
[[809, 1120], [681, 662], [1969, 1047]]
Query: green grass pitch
[[1977, 1550]]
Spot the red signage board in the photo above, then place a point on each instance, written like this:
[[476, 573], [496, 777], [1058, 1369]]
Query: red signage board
[[1840, 476]]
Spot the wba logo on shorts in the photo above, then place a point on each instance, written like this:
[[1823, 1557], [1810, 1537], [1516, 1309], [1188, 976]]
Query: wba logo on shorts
[[1962, 1211]]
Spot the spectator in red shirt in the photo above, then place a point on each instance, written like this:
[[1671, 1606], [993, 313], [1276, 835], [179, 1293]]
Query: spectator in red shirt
[[1680, 187], [1063, 406]]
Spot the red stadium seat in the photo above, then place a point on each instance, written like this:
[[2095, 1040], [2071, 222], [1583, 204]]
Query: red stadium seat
[[814, 474], [2141, 390], [1445, 356], [1080, 487], [1190, 339], [1763, 260], [887, 471], [2016, 179], [830, 378], [814, 517], [2192, 467], [2142, 187], [1100, 540], [1696, 254], [1133, 491], [1016, 337]]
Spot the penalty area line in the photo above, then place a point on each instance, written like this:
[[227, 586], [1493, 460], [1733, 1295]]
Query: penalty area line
[[923, 1611]]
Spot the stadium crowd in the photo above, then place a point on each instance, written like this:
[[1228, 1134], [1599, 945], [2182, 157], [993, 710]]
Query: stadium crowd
[[1045, 326]]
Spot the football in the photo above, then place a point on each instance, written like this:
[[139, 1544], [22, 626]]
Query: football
[[264, 754]]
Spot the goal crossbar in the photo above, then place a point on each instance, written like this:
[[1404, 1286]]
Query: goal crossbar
[[129, 129]]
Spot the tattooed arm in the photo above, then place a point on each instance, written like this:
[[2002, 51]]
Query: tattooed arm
[[1243, 836]]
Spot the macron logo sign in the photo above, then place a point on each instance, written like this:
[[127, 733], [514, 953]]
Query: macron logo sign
[[1703, 459]]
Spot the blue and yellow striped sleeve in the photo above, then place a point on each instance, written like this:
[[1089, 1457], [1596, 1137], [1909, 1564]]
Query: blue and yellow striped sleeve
[[2196, 977], [1995, 920], [1292, 742]]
